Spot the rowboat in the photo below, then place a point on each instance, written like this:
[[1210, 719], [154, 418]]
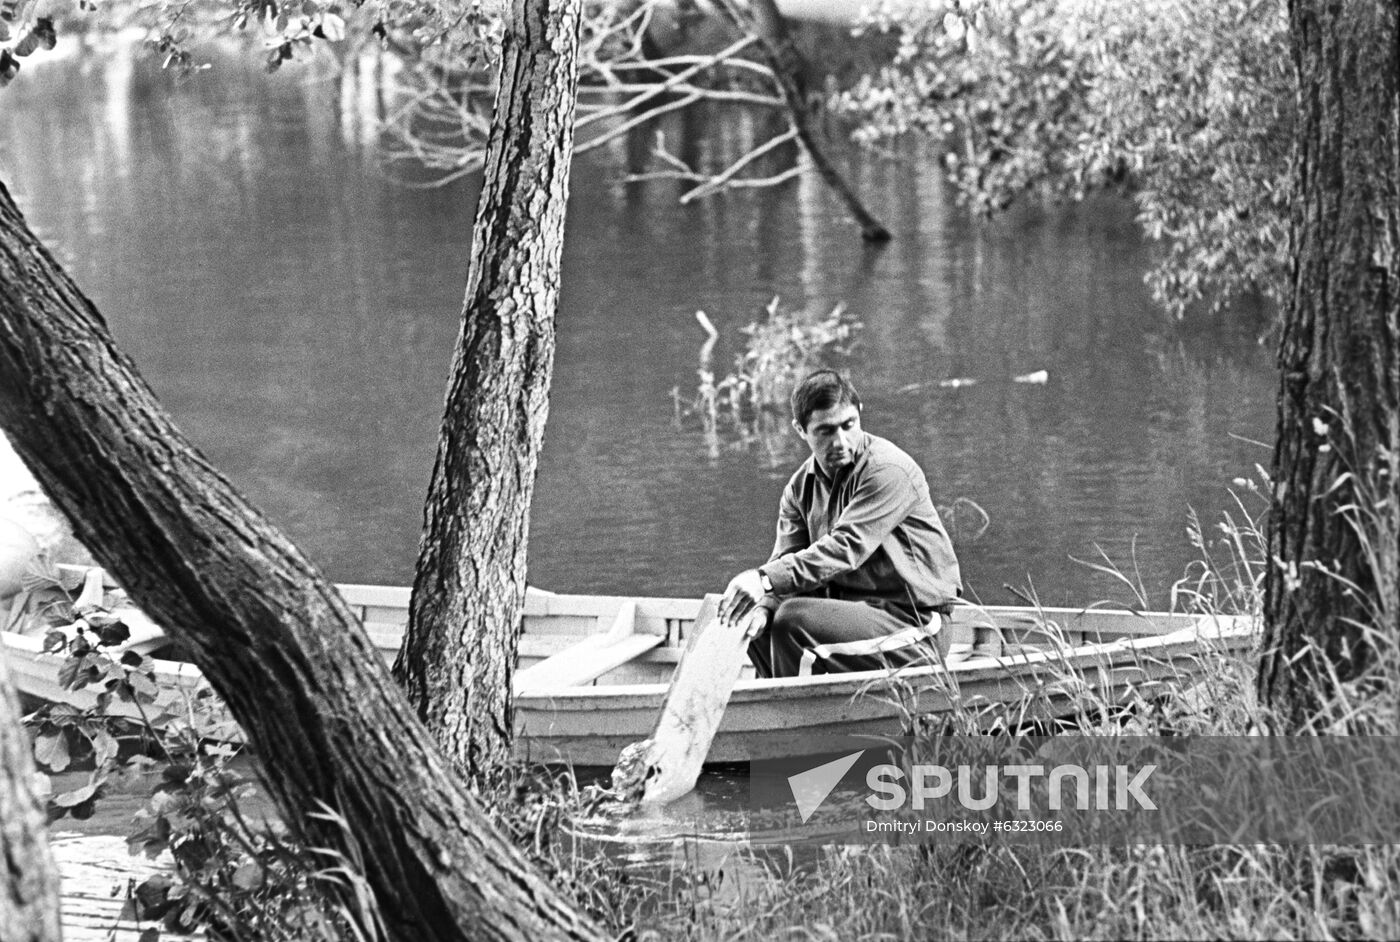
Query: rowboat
[[594, 670]]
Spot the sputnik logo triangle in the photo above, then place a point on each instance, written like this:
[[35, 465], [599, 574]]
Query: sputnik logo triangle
[[810, 788]]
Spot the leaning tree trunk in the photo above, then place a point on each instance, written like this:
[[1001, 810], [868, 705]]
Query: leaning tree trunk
[[1333, 525], [763, 19], [272, 636], [469, 589], [29, 910]]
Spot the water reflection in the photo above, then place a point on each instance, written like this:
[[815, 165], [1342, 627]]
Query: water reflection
[[296, 311]]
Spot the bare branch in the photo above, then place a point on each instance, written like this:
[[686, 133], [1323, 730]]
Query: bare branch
[[638, 20], [670, 62], [634, 122], [709, 94], [727, 176], [676, 79]]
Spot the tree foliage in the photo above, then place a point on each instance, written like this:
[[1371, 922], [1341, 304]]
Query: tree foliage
[[1186, 106]]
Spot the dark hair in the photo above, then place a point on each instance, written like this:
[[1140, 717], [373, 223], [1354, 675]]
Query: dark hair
[[822, 389]]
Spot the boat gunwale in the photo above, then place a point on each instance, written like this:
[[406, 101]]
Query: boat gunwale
[[967, 669], [1195, 630]]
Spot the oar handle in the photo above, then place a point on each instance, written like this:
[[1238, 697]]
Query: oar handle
[[92, 594]]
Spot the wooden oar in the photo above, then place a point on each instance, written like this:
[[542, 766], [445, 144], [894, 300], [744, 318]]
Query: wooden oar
[[665, 766]]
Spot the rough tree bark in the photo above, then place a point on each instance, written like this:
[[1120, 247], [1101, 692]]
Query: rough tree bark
[[1336, 485], [469, 588], [762, 19], [273, 637], [29, 905]]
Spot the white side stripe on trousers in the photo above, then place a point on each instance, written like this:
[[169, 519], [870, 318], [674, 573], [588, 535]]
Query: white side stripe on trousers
[[865, 646]]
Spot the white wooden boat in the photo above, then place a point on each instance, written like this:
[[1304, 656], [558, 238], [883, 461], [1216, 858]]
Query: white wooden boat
[[594, 670]]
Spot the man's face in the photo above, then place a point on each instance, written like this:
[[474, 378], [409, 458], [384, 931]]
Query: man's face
[[832, 435]]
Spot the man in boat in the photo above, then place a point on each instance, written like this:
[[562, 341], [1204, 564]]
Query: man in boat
[[862, 574]]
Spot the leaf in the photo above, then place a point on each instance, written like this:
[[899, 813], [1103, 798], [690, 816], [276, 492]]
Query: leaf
[[151, 896], [104, 746], [132, 659], [71, 799], [51, 750], [113, 634], [63, 712], [332, 27], [77, 672], [177, 772], [183, 919], [68, 672], [144, 685], [249, 876], [55, 641]]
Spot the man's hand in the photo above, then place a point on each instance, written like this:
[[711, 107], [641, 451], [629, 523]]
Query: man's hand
[[759, 620], [740, 597]]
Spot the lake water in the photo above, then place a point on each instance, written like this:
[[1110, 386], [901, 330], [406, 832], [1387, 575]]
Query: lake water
[[296, 309]]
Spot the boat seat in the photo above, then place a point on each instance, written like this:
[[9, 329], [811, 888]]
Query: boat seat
[[590, 658]]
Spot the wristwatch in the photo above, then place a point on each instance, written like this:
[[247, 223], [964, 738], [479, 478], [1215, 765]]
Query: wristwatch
[[764, 581]]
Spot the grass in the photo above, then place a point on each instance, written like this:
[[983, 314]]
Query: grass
[[970, 892]]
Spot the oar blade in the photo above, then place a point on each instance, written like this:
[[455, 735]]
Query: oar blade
[[666, 766], [693, 711]]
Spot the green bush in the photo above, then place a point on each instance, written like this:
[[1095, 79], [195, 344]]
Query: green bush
[[1186, 106]]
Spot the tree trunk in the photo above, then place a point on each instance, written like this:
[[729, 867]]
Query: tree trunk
[[469, 589], [29, 905], [785, 59], [1333, 523], [273, 637]]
